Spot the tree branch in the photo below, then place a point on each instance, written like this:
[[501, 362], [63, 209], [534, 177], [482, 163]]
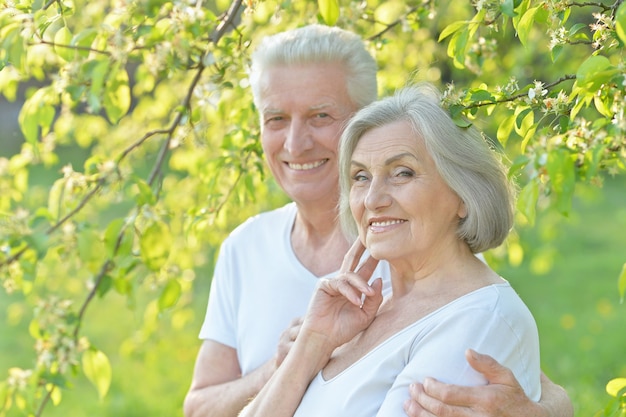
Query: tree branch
[[519, 95], [391, 25], [589, 4], [228, 21]]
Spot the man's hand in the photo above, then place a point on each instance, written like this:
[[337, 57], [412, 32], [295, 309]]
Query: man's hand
[[286, 340], [502, 397]]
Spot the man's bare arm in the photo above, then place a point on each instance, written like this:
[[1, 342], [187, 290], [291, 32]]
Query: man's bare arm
[[502, 397], [217, 388]]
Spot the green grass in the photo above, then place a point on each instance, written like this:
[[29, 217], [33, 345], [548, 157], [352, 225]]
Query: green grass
[[570, 285]]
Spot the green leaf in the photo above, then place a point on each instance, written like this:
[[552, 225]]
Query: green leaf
[[456, 113], [481, 95], [89, 247], [620, 23], [505, 129], [450, 29], [329, 9], [518, 164], [117, 95], [527, 201], [14, 45], [155, 245], [4, 393], [575, 28], [556, 52], [97, 369], [520, 9], [593, 157], [62, 41], [562, 173], [507, 7], [95, 71], [84, 39], [34, 330], [37, 112], [123, 286], [621, 283], [523, 120], [594, 72], [145, 195], [170, 294], [55, 395], [614, 386], [104, 285], [111, 236], [39, 242], [530, 133], [526, 24], [457, 48]]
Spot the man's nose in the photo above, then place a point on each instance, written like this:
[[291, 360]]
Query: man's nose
[[299, 137]]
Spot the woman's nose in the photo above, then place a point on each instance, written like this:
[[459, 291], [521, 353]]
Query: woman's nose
[[378, 195]]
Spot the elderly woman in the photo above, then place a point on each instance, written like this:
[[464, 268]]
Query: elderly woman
[[426, 196]]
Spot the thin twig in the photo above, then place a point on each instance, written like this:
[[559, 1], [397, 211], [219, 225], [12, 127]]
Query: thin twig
[[43, 403], [106, 266], [392, 24], [78, 208], [75, 47], [138, 143]]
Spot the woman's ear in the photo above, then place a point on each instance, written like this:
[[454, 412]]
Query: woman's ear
[[462, 210]]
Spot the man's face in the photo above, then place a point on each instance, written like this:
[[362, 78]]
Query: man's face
[[303, 111]]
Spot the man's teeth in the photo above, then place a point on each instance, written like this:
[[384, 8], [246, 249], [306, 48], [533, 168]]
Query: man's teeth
[[387, 223], [303, 167]]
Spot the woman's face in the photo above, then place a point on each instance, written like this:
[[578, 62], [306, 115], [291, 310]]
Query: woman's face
[[401, 205], [303, 111]]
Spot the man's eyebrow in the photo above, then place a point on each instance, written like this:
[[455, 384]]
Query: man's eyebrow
[[321, 106], [271, 110]]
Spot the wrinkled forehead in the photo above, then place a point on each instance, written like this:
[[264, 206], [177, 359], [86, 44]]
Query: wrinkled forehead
[[311, 86]]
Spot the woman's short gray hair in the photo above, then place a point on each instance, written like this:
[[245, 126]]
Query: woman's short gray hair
[[315, 44], [462, 156]]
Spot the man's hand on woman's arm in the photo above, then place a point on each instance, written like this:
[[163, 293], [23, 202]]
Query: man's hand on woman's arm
[[502, 397]]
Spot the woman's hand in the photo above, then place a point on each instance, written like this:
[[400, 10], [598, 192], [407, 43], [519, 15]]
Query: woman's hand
[[344, 306]]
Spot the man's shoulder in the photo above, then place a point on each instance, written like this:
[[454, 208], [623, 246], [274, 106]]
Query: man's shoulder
[[266, 222]]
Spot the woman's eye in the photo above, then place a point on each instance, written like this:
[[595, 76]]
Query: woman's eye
[[406, 173], [359, 176]]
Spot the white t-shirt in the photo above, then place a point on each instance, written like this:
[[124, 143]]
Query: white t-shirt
[[259, 286], [491, 320]]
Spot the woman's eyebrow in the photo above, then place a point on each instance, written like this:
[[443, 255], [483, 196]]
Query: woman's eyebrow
[[400, 156]]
